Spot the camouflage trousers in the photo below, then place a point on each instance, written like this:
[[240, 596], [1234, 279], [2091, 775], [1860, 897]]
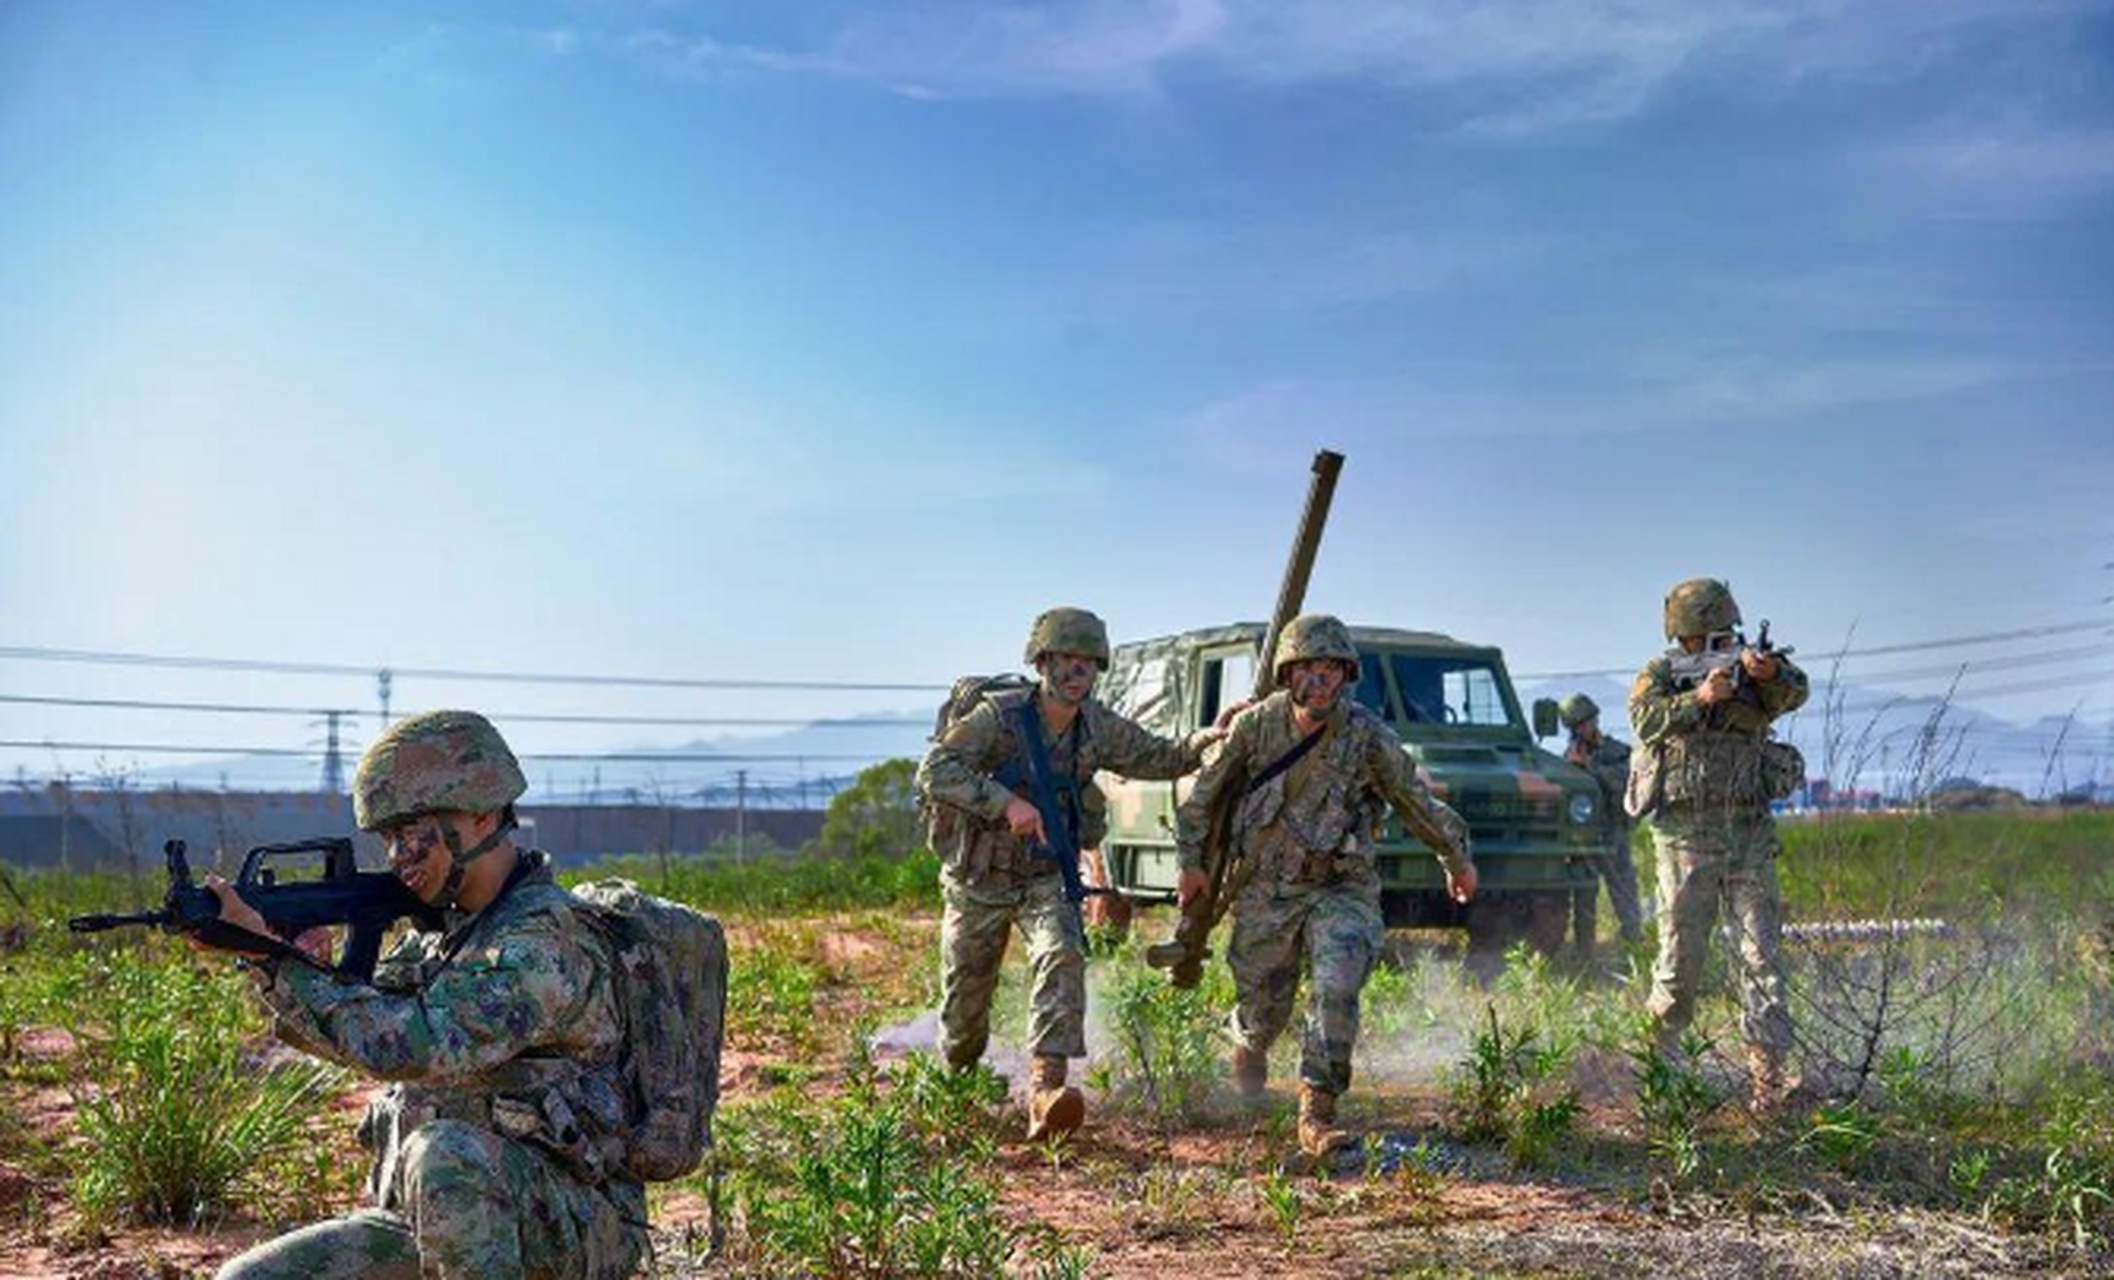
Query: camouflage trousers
[[975, 925], [1709, 860], [471, 1206], [1618, 871], [1336, 930]]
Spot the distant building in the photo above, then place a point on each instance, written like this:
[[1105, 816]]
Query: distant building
[[110, 829]]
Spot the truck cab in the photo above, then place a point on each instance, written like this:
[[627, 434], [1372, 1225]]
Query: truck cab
[[1530, 813]]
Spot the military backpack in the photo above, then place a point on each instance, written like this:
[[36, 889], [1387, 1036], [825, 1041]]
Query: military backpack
[[971, 690], [671, 986]]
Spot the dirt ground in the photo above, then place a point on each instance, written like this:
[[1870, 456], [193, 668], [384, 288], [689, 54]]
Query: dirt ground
[[1149, 1205]]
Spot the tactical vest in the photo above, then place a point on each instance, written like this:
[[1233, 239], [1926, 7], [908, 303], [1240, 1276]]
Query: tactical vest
[[973, 846], [1317, 820]]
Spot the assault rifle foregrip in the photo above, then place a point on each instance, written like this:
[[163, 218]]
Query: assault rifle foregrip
[[364, 903]]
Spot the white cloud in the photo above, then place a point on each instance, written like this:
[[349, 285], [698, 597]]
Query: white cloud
[[1245, 428], [1998, 170], [1180, 271], [1508, 69]]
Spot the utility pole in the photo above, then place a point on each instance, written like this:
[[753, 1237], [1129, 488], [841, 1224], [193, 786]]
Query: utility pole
[[741, 815], [333, 759], [382, 680], [65, 789]]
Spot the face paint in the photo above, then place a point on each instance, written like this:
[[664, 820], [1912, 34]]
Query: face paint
[[1315, 684], [1068, 677], [412, 848]]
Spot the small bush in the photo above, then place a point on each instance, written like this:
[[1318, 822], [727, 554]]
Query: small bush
[[1673, 1099], [1509, 1090], [177, 1122], [876, 1183], [1169, 1046], [771, 992]]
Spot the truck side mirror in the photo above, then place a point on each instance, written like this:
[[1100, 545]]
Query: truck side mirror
[[1545, 717]]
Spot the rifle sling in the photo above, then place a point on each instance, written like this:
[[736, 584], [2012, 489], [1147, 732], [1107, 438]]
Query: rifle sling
[[1038, 753], [1294, 755]]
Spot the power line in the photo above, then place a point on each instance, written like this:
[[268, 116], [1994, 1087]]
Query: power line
[[1809, 659], [227, 708], [671, 757], [100, 657]]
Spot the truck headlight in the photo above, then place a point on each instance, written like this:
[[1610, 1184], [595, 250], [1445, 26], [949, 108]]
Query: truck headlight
[[1581, 809]]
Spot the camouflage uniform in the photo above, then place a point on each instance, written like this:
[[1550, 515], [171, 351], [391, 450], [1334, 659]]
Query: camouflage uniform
[[496, 1144], [991, 880], [1701, 777], [1314, 894], [1609, 763], [499, 1143]]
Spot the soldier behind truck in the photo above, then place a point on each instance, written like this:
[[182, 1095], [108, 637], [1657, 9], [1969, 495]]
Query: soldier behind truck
[[984, 829], [1307, 823], [1608, 760], [1703, 776]]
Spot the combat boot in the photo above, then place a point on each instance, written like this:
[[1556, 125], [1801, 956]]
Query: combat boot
[[1251, 1071], [1054, 1107], [1318, 1135], [1773, 1088]]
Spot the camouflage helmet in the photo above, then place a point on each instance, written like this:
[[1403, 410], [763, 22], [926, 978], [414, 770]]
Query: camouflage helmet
[[434, 761], [1065, 629], [1699, 607], [1315, 635], [1576, 710]]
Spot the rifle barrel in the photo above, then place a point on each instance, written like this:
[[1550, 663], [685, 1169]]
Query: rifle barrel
[[98, 923]]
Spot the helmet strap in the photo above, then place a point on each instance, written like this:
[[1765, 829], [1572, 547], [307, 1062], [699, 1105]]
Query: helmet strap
[[459, 858]]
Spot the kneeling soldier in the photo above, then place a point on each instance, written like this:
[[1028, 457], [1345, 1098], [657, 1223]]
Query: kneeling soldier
[[497, 1142]]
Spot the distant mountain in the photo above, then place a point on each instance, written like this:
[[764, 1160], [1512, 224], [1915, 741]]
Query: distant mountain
[[1878, 737], [1877, 740]]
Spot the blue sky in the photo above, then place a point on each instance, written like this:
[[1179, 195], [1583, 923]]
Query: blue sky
[[835, 340]]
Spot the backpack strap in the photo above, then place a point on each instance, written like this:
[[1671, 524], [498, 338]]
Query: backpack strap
[[1297, 753]]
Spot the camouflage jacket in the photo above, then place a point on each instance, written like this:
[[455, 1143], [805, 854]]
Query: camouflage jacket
[[965, 803], [1717, 756], [1324, 810], [507, 1019], [1609, 763]]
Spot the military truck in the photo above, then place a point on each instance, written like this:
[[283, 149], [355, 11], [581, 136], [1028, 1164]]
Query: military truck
[[1530, 813]]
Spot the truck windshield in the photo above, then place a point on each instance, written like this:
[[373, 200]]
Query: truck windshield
[[1448, 690]]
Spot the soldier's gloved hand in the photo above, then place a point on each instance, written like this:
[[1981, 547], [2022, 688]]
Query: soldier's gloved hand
[[1189, 884], [1761, 667], [1225, 718], [1716, 687], [1461, 887], [1025, 820]]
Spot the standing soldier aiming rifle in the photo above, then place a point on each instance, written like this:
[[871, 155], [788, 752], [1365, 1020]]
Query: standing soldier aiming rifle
[[1704, 775], [1608, 760], [997, 852], [1320, 772]]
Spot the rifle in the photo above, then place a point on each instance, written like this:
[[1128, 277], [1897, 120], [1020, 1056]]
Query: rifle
[[1058, 822], [366, 902], [1692, 669], [1226, 871]]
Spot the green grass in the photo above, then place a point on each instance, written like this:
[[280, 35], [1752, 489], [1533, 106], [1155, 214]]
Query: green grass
[[790, 883], [177, 1122]]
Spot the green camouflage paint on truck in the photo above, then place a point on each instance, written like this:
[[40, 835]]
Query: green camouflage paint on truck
[[1530, 813]]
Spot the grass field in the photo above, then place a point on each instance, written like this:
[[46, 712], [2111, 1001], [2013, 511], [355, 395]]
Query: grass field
[[1961, 1121]]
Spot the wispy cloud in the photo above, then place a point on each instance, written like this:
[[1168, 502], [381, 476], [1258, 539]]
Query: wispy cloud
[[1501, 70], [1243, 428], [1179, 271], [2015, 168]]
